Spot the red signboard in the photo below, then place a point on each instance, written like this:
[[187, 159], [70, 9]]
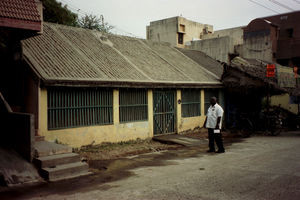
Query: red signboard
[[270, 70], [296, 72]]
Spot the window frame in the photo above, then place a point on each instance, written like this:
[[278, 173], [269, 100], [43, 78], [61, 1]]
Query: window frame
[[180, 38], [139, 106], [185, 103], [72, 107]]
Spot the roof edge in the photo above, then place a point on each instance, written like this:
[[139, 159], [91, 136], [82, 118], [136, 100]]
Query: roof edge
[[138, 84], [21, 24]]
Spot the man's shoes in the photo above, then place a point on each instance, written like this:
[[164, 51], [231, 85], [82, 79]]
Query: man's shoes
[[220, 151], [210, 151]]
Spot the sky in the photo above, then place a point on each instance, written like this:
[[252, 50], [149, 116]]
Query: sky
[[130, 17]]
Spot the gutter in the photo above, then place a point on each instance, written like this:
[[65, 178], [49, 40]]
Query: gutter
[[124, 84]]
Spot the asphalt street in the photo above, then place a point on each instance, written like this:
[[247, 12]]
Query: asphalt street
[[257, 168]]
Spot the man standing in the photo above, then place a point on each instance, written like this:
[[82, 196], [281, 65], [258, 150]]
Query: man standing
[[213, 122]]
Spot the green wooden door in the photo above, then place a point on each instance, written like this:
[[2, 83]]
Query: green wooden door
[[164, 113]]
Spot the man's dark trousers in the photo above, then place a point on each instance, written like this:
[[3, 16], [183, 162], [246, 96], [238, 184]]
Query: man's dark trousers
[[212, 137]]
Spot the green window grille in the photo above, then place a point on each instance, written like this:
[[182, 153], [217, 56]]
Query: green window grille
[[191, 103], [76, 107], [133, 105], [208, 93]]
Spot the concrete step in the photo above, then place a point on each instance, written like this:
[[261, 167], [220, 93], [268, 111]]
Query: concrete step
[[54, 160], [71, 176], [45, 148], [65, 171]]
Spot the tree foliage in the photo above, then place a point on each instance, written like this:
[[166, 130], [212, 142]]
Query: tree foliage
[[56, 13], [95, 23]]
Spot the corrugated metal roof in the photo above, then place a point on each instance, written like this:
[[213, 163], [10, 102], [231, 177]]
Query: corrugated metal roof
[[70, 54], [19, 9], [253, 67], [257, 68], [205, 61], [178, 60]]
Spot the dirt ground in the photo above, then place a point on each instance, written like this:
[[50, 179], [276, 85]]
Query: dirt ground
[[110, 151]]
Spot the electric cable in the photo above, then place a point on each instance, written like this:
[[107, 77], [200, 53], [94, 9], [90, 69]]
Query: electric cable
[[282, 5], [263, 6]]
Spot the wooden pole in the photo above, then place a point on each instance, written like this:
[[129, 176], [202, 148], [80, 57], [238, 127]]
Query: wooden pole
[[268, 98]]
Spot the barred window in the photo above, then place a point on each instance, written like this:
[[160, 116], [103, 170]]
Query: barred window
[[133, 105], [191, 103], [76, 107], [209, 93]]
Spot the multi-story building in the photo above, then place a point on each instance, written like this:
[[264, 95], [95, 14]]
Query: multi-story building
[[219, 45], [177, 31], [287, 47], [273, 39]]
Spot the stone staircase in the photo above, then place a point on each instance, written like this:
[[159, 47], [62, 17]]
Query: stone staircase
[[57, 162]]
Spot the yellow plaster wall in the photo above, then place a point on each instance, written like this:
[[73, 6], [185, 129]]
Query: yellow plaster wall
[[117, 132], [76, 137], [150, 112], [284, 102], [189, 123], [42, 110], [203, 111], [178, 109]]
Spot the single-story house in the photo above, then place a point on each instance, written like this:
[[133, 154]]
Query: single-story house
[[248, 85], [85, 87]]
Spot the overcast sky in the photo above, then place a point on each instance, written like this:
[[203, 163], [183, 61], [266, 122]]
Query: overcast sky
[[132, 16]]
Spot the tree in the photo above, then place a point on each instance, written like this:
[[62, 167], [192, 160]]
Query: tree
[[56, 13], [94, 23]]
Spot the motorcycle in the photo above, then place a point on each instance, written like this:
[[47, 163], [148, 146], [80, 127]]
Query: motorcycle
[[273, 122]]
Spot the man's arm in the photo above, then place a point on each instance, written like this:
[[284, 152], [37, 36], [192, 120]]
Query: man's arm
[[204, 125], [218, 123]]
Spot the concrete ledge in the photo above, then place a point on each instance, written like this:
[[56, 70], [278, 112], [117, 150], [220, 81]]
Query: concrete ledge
[[179, 139], [44, 148], [54, 160]]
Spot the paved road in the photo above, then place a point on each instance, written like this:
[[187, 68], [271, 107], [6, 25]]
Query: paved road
[[255, 169]]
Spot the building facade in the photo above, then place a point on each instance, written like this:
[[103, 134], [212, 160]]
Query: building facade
[[177, 31], [219, 45], [272, 38], [93, 88], [288, 39], [260, 41]]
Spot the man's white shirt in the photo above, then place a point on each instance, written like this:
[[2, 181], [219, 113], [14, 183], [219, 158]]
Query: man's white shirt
[[212, 115]]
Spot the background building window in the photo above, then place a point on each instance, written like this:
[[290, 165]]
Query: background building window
[[191, 103], [182, 28], [133, 105], [290, 32], [76, 107], [180, 38]]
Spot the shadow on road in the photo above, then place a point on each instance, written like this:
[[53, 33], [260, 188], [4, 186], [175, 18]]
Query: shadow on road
[[106, 171]]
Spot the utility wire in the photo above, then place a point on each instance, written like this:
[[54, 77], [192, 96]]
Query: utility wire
[[264, 6], [297, 1], [282, 5]]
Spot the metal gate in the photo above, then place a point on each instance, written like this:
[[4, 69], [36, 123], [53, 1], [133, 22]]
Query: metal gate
[[164, 111]]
